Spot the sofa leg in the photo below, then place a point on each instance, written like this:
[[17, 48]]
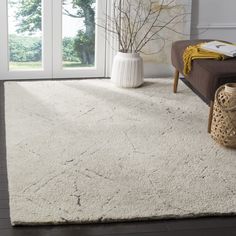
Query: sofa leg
[[210, 116], [176, 80]]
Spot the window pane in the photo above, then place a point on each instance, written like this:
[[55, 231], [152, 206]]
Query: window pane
[[78, 33], [25, 34]]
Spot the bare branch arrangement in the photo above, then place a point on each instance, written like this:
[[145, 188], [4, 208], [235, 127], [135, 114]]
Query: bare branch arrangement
[[135, 23]]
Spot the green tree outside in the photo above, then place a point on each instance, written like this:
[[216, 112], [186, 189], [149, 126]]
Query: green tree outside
[[79, 49], [25, 49]]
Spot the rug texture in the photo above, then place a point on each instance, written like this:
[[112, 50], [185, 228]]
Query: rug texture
[[85, 151]]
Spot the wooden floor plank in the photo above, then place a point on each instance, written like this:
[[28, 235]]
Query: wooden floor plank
[[4, 214], [4, 186], [58, 231], [4, 204], [5, 224], [3, 195], [202, 223], [3, 181]]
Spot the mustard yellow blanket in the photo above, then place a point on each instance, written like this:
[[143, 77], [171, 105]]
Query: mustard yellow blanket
[[196, 52]]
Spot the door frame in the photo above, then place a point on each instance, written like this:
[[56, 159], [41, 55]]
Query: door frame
[[51, 49], [46, 71], [100, 46], [112, 44]]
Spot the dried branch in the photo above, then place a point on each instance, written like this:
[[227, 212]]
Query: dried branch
[[136, 23]]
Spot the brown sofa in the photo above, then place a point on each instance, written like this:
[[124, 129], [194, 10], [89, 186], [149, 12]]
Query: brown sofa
[[206, 75]]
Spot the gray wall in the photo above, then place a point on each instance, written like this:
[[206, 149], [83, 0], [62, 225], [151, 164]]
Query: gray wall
[[214, 19]]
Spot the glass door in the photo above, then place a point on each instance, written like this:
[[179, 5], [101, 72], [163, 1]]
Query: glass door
[[26, 39], [78, 44], [51, 39]]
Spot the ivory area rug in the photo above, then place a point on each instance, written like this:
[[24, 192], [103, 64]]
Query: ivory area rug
[[85, 151]]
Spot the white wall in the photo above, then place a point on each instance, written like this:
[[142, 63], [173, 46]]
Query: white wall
[[159, 65], [215, 19]]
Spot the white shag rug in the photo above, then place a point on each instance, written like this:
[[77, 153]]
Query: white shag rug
[[85, 151]]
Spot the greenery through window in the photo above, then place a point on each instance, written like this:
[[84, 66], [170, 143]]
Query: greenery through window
[[25, 33]]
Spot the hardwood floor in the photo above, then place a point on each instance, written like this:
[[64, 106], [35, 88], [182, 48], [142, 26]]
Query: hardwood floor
[[216, 226]]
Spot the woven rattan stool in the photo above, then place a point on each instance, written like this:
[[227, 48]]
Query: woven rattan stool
[[223, 128]]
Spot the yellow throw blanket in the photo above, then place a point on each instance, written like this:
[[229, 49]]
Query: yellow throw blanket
[[196, 52]]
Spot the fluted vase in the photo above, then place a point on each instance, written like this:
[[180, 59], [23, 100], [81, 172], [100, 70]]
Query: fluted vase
[[127, 70]]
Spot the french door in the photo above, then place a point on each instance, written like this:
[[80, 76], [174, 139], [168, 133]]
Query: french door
[[51, 39]]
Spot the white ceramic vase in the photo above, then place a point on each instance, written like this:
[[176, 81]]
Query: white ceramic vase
[[127, 70]]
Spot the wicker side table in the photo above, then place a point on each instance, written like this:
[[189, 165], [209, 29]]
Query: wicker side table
[[223, 129]]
